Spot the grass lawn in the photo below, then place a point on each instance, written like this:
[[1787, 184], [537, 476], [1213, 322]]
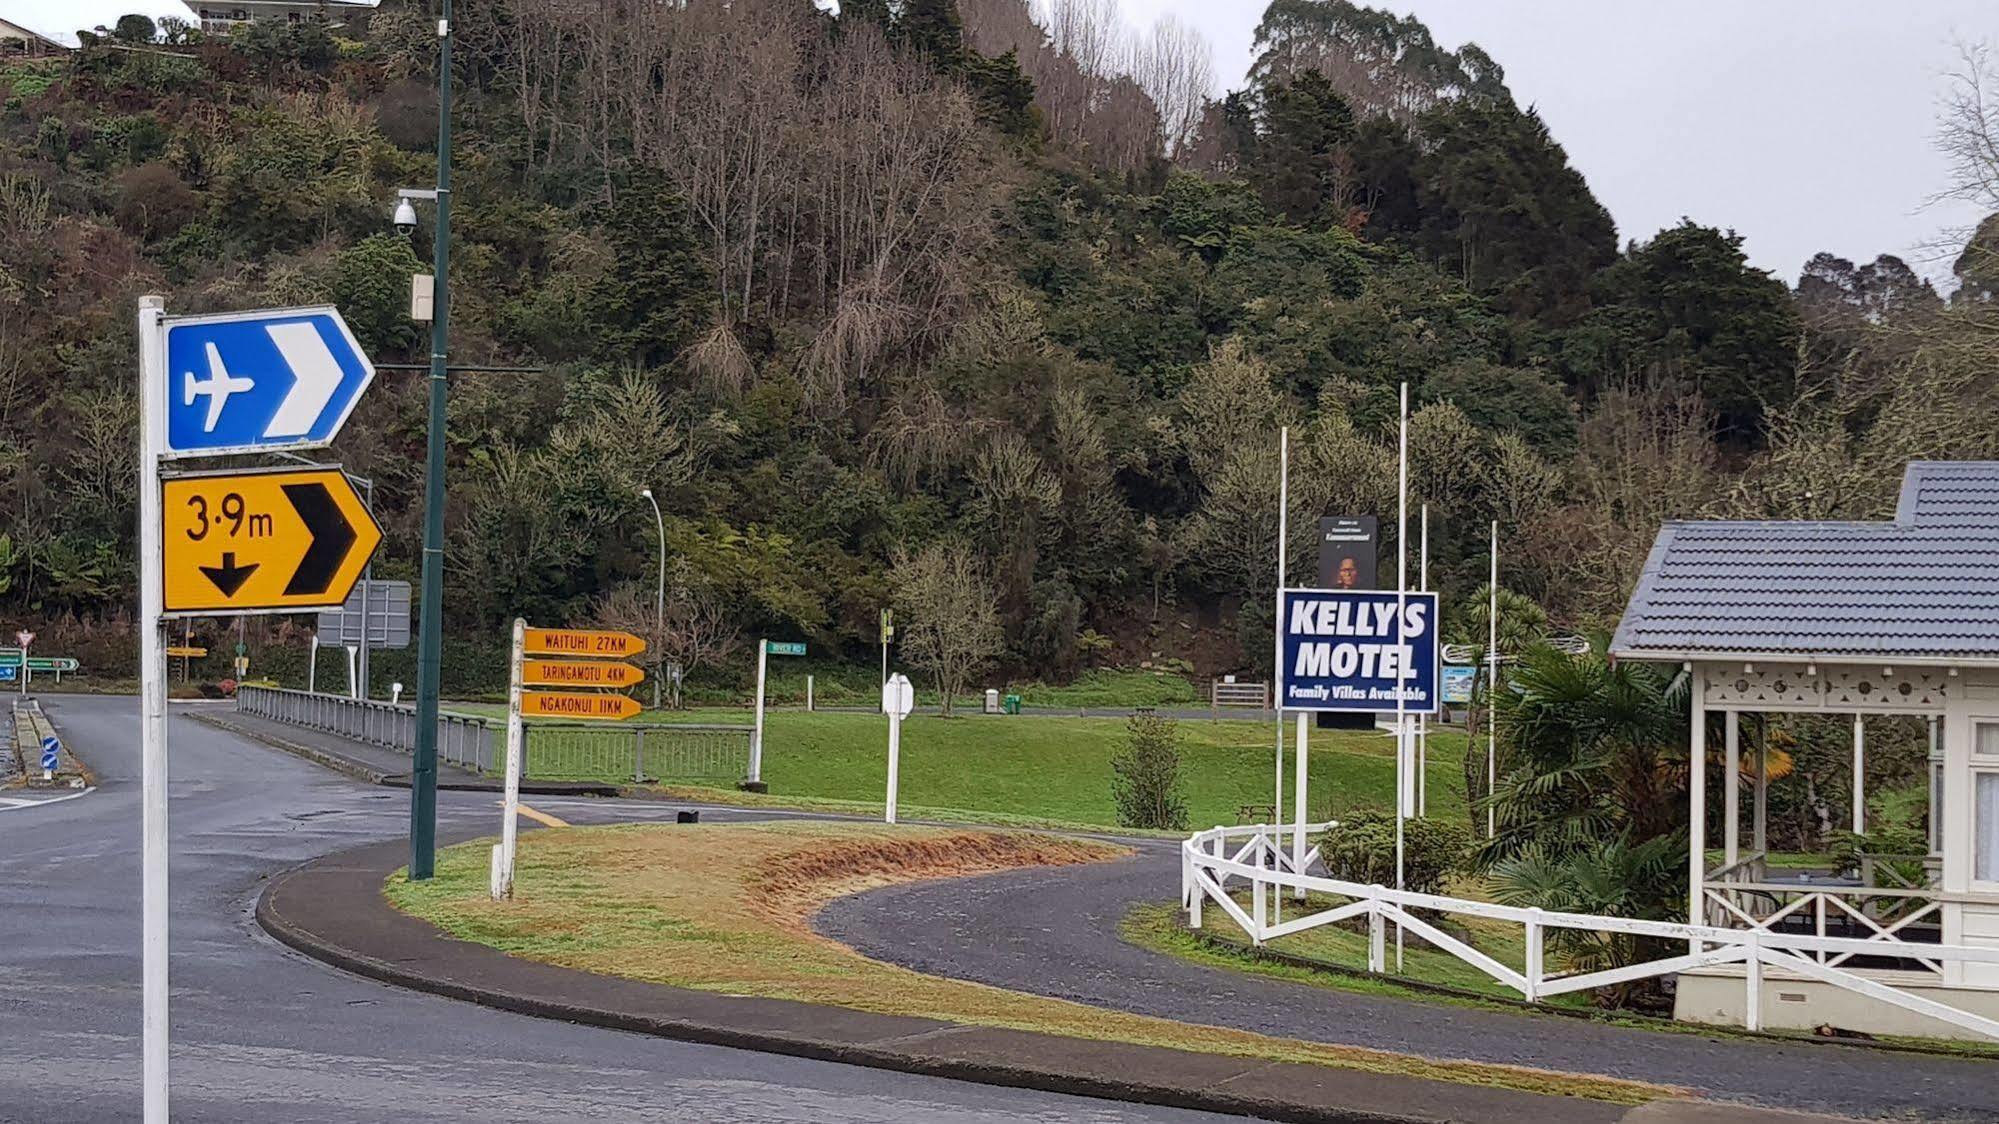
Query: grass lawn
[[1057, 770], [726, 908]]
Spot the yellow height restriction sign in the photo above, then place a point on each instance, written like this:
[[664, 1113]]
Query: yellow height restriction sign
[[551, 704], [236, 542], [579, 673], [581, 642]]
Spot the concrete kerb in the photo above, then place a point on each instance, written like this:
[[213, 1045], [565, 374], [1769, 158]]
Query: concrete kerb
[[333, 910]]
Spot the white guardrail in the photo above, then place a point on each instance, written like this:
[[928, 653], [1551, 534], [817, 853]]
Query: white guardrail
[[1259, 856]]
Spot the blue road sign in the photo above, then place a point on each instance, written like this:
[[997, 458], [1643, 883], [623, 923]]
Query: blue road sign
[[255, 381], [51, 753], [1345, 650], [8, 672]]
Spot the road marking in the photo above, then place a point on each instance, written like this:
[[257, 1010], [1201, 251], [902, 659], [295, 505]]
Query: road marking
[[15, 803], [542, 818]]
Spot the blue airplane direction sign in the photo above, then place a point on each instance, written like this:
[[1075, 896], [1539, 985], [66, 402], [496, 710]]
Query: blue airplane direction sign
[[245, 382]]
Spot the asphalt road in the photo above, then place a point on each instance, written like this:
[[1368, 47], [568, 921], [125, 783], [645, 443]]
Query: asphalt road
[[1054, 932], [262, 1034]]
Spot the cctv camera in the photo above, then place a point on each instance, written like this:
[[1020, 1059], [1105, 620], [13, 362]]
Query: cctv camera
[[405, 216]]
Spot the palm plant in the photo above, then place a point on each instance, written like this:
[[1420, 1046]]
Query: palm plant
[[1588, 803]]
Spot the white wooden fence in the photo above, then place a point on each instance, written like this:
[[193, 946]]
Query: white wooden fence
[[1259, 856]]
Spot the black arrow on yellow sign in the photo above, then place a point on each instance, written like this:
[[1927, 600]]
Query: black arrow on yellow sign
[[281, 540], [229, 577], [332, 535]]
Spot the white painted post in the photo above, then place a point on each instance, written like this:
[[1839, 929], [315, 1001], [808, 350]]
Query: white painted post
[[1422, 777], [156, 1028], [510, 802], [894, 763], [1302, 750], [1256, 893], [1277, 610], [1752, 982], [1696, 804], [1492, 687], [1533, 966], [1402, 661], [1377, 960], [757, 736], [1731, 814], [808, 694], [311, 667], [353, 674], [1860, 775]]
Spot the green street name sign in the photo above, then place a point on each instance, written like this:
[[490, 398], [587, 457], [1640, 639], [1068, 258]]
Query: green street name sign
[[38, 663], [785, 647]]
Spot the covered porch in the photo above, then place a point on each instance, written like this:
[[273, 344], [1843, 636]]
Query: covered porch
[[1867, 622]]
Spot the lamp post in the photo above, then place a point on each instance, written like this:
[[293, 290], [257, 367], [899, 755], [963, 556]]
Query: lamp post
[[659, 601], [430, 640]]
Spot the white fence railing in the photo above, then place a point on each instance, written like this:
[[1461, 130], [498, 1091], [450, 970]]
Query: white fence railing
[[1259, 856]]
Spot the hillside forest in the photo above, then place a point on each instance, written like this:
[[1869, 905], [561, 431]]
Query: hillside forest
[[929, 300]]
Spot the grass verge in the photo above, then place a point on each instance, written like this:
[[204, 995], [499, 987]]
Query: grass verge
[[727, 908], [1056, 770]]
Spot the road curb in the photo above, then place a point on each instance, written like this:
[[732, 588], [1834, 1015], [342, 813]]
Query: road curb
[[332, 909]]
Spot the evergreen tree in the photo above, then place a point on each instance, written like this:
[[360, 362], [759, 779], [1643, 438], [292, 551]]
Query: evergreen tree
[[1300, 164]]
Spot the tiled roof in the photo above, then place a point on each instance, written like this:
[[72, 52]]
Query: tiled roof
[[1924, 586]]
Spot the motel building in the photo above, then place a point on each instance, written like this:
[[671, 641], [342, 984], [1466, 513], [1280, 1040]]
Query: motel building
[[1875, 623]]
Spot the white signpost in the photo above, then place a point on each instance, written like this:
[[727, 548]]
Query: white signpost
[[25, 638], [898, 699], [241, 382]]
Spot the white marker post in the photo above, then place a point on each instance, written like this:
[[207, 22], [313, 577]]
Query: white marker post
[[898, 699], [1401, 664], [1277, 660], [152, 712], [510, 804], [25, 638], [1492, 687], [757, 736]]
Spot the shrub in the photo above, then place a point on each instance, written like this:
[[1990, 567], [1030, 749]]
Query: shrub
[[1361, 848], [1145, 774]]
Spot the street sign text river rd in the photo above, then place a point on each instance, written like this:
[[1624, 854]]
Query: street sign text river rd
[[241, 542]]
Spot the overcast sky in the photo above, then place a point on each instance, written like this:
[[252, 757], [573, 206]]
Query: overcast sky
[[1805, 125]]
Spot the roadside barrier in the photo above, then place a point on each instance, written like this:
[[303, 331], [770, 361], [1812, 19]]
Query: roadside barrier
[[1259, 856], [463, 741], [618, 753]]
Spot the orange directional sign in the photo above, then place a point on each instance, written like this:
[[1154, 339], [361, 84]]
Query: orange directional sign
[[581, 642], [243, 542], [189, 653], [551, 704], [579, 673]]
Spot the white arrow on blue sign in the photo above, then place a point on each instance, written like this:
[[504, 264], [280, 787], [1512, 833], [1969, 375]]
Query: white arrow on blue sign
[[244, 382], [51, 753]]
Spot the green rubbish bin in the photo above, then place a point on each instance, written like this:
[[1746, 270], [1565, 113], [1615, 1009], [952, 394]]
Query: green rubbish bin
[[1011, 705]]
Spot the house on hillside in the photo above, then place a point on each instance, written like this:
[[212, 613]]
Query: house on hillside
[[39, 26], [218, 16], [1862, 620]]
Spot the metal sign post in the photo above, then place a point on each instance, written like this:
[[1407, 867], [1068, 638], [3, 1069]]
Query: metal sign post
[[256, 382], [757, 736], [503, 852], [152, 711], [898, 699], [25, 638]]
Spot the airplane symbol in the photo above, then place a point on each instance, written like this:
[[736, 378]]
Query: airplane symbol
[[218, 387]]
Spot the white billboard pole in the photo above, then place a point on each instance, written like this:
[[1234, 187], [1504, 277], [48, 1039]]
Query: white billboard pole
[[1422, 779], [1401, 665], [757, 736], [153, 712], [1277, 627], [1492, 686]]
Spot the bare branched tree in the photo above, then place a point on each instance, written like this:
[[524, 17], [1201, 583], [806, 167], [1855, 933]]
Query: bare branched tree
[[949, 624]]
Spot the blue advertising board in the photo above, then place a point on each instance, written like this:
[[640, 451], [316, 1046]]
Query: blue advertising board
[[1345, 650]]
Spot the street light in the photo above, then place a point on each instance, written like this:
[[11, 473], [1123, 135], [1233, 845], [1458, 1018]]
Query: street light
[[659, 603], [430, 639]]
